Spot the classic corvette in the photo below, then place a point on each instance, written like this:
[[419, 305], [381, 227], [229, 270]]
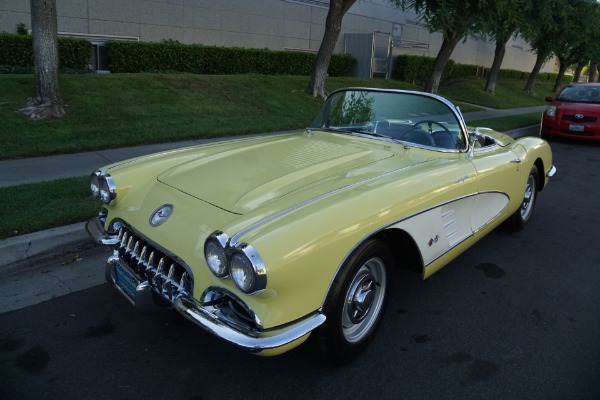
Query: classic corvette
[[264, 241]]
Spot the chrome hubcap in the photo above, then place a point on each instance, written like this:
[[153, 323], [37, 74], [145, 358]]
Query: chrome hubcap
[[363, 300], [529, 198]]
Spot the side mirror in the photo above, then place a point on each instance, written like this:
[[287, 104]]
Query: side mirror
[[549, 99]]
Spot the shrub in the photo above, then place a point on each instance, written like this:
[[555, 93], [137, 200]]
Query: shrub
[[418, 68], [22, 29], [199, 59], [512, 74], [16, 52]]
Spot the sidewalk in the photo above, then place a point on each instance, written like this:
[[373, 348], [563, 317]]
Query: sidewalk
[[64, 241]]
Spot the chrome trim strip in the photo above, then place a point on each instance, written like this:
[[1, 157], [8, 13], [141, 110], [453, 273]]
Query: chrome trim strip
[[236, 237], [450, 248], [395, 141], [271, 339]]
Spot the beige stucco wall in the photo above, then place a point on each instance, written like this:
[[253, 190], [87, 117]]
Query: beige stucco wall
[[273, 24]]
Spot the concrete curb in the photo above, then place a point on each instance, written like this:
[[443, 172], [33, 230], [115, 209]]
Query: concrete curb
[[51, 243]]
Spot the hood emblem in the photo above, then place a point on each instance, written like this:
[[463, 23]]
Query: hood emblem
[[161, 214], [579, 116]]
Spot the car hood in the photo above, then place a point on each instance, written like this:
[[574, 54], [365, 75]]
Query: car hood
[[575, 108], [242, 176]]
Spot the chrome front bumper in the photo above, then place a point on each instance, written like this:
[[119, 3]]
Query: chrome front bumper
[[147, 299]]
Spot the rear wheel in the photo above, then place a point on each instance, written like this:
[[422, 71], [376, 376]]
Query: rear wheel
[[522, 216], [356, 302]]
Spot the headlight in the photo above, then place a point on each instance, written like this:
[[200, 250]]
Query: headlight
[[241, 263], [95, 185], [247, 270], [108, 190], [551, 111], [216, 258], [103, 187]]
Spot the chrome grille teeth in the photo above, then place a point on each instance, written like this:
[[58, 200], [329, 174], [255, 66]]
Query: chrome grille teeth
[[129, 247], [185, 286], [135, 254], [124, 239], [168, 278], [143, 261]]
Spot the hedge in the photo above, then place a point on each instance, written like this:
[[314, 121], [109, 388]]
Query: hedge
[[199, 59], [417, 68], [17, 51]]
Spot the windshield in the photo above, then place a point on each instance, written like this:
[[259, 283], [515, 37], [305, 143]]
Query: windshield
[[409, 117], [580, 94]]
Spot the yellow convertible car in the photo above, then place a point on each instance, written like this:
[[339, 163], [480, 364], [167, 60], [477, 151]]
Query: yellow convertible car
[[264, 241]]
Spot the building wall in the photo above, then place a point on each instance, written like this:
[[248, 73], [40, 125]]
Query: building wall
[[273, 24]]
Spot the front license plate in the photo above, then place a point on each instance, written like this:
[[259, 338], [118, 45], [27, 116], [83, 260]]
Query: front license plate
[[576, 127], [125, 280]]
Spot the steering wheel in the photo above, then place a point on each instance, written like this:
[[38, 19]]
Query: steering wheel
[[448, 141], [430, 124]]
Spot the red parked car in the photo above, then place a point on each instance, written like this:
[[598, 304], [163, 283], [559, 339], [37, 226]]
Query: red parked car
[[574, 112]]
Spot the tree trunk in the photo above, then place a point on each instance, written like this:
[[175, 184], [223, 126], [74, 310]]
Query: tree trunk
[[594, 72], [433, 82], [561, 73], [539, 62], [577, 74], [333, 27], [47, 101], [490, 85]]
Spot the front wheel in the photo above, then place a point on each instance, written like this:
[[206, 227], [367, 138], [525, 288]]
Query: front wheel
[[522, 216], [356, 302]]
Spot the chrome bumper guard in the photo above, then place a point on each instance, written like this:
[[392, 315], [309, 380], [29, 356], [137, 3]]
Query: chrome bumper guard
[[145, 299], [271, 339], [552, 171], [95, 229]]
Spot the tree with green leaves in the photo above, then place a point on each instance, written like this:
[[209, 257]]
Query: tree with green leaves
[[577, 42], [543, 28], [47, 101], [333, 27], [454, 19], [502, 23]]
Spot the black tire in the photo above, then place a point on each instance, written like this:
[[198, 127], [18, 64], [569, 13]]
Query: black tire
[[356, 303], [523, 215]]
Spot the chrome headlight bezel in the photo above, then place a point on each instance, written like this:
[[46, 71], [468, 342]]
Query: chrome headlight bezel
[[247, 269], [240, 263], [95, 184], [103, 187]]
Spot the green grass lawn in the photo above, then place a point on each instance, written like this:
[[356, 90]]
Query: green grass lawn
[[509, 93], [506, 123], [38, 206], [116, 110]]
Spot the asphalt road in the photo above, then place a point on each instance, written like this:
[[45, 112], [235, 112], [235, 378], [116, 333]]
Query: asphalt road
[[515, 317]]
